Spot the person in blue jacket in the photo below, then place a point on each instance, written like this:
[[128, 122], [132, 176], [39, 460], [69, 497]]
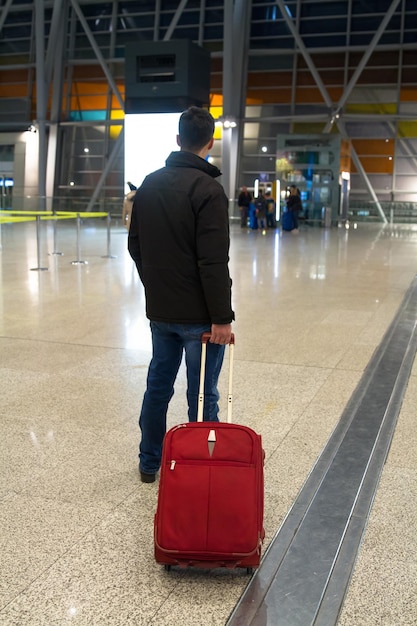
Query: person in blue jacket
[[179, 239]]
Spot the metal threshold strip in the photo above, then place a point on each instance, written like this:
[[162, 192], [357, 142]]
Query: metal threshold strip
[[304, 575]]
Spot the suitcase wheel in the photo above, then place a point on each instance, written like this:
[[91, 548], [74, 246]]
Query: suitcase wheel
[[249, 570], [167, 568]]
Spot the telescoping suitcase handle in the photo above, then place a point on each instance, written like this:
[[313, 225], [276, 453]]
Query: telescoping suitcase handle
[[205, 337]]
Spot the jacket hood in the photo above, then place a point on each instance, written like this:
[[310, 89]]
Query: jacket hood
[[181, 158]]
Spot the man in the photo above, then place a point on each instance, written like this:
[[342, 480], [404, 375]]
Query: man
[[260, 211], [244, 200], [295, 206], [179, 240]]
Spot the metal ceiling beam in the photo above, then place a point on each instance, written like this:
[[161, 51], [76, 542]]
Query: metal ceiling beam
[[93, 124], [322, 50], [175, 20], [97, 52], [367, 55], [295, 62], [157, 17], [4, 13], [348, 89], [286, 14], [201, 22], [351, 117]]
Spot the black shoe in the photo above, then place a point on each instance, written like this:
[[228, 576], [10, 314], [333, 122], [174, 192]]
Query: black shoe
[[147, 478]]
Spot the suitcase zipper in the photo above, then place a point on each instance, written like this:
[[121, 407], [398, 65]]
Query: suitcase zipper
[[210, 463]]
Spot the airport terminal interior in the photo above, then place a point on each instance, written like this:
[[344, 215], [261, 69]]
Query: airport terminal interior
[[318, 94]]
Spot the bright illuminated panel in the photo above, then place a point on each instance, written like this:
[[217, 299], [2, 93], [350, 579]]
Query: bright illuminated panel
[[277, 199], [149, 139]]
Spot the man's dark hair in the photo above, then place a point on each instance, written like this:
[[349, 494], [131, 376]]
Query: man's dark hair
[[196, 128]]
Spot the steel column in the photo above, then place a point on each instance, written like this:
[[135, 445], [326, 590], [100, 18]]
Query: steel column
[[41, 99], [236, 24], [55, 57]]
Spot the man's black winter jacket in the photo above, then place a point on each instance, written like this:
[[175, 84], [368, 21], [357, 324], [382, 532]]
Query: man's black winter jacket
[[179, 240]]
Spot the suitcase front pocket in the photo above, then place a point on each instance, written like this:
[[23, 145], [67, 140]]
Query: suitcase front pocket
[[211, 508]]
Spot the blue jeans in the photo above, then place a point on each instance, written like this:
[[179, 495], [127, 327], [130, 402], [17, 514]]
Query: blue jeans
[[168, 343]]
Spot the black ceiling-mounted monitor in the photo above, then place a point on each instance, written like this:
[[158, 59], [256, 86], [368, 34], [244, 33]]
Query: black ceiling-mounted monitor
[[166, 76]]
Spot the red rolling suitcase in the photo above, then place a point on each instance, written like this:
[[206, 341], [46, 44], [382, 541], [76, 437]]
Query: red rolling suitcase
[[211, 491]]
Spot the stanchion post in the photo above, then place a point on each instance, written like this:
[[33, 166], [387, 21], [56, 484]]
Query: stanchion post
[[38, 245], [108, 255], [55, 229], [79, 261]]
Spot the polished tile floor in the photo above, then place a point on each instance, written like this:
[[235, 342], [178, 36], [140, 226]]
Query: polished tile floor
[[76, 525]]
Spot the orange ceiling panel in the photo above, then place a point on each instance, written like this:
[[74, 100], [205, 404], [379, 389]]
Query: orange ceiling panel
[[374, 147], [408, 95], [270, 96], [375, 165]]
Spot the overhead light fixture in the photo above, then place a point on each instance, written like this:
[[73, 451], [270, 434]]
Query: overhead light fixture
[[227, 122], [334, 116]]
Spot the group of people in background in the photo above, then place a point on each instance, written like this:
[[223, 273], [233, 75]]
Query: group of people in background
[[260, 211], [257, 213]]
